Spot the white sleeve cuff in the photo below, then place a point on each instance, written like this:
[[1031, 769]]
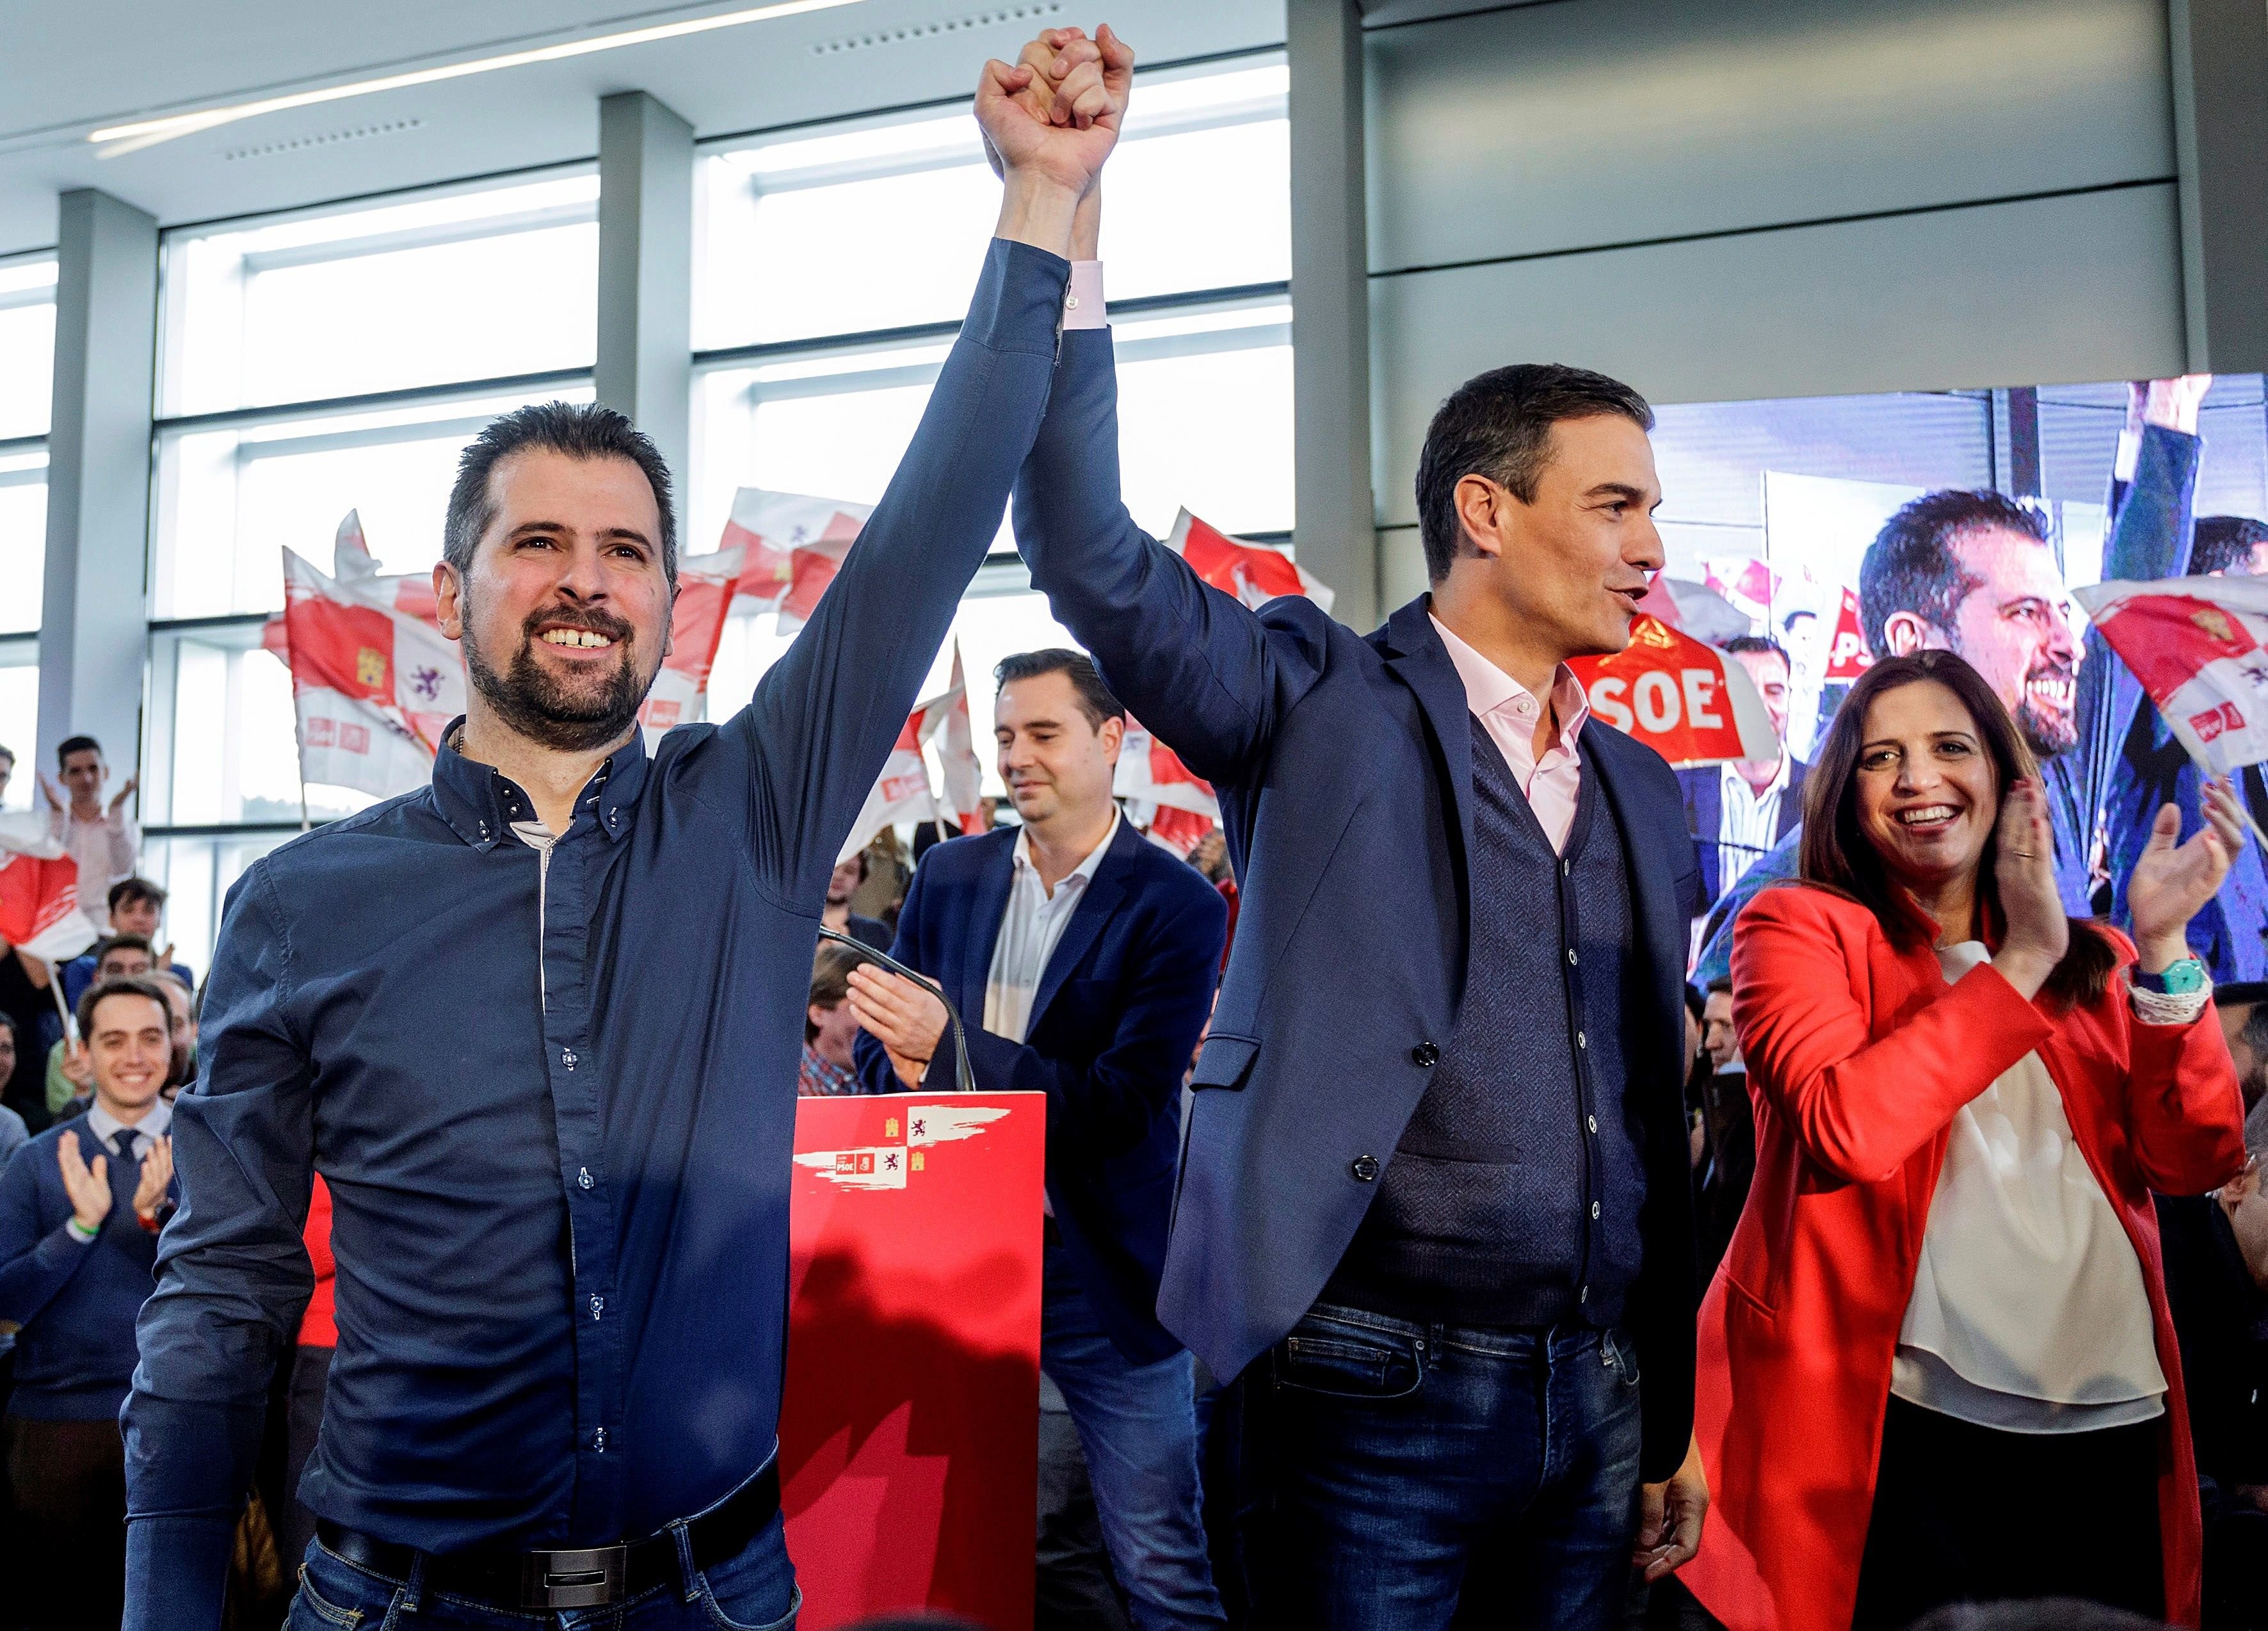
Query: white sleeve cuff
[[2167, 1008], [1082, 304]]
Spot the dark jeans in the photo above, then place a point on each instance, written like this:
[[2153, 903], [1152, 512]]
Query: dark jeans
[[67, 1484], [755, 1592], [1404, 1477], [303, 1419], [1971, 1514]]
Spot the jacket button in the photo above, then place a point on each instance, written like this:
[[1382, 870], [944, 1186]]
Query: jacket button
[[1365, 1169], [1425, 1055]]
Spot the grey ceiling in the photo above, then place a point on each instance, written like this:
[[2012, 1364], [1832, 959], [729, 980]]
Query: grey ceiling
[[69, 68]]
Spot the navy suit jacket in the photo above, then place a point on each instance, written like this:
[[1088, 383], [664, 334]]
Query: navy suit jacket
[[1343, 765], [1117, 1014], [1703, 790]]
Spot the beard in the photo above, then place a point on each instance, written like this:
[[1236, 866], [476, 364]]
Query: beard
[[2047, 731], [572, 715]]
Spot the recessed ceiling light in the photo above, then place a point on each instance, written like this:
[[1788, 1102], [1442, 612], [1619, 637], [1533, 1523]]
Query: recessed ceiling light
[[143, 133]]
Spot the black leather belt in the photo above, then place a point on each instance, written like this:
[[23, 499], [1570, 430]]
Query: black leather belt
[[573, 1577]]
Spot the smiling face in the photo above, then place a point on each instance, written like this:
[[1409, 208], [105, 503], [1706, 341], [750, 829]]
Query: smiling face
[[2014, 628], [1928, 796], [1570, 568], [1056, 763], [564, 614], [130, 1045]]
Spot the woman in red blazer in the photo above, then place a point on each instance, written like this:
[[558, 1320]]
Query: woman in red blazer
[[1936, 1362]]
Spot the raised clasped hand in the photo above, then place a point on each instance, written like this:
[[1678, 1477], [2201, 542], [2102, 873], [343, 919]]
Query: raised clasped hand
[[1054, 116]]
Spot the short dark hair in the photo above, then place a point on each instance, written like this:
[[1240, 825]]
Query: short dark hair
[[1738, 643], [108, 944], [8, 753], [830, 981], [127, 890], [1721, 986], [71, 744], [1910, 566], [125, 985], [2225, 543], [1499, 425], [579, 430], [1094, 698], [1839, 856]]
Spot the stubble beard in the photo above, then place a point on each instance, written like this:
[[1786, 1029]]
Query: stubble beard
[[534, 703]]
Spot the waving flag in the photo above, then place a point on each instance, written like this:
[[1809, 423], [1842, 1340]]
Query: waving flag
[[1149, 770], [374, 686], [705, 589], [2199, 646], [901, 792], [964, 772], [1688, 702], [1747, 584], [39, 913], [792, 544], [1255, 573]]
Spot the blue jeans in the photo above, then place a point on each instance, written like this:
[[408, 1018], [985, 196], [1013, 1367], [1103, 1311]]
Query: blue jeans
[[1404, 1477], [754, 1591], [1137, 1426]]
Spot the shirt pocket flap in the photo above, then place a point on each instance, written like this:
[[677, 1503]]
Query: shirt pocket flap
[[1227, 1061]]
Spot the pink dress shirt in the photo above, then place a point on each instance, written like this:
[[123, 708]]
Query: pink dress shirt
[[1507, 709]]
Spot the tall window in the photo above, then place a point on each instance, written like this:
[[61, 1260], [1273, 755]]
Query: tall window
[[27, 355], [833, 263], [311, 364]]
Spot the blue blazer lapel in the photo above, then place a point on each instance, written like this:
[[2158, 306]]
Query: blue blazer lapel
[[982, 932], [1421, 662], [1103, 895]]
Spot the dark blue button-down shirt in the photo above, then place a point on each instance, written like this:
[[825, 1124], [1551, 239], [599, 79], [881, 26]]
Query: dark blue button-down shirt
[[555, 1110]]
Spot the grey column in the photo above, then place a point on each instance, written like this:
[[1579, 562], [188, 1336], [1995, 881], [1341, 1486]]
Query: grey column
[[92, 637], [1336, 530], [646, 271], [2220, 146]]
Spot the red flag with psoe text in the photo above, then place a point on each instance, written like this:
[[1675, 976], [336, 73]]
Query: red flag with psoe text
[[1688, 702], [1847, 656]]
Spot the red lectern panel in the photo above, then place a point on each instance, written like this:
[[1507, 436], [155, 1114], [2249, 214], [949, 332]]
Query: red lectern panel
[[908, 1433]]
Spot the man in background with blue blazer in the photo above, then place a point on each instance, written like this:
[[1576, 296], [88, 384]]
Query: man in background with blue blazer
[[1089, 954], [1433, 1213]]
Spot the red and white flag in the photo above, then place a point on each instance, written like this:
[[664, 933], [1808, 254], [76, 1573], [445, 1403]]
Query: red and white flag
[[1255, 573], [1747, 584], [1847, 656], [1150, 772], [1688, 702], [964, 772], [792, 545], [901, 792], [373, 686], [2199, 646], [39, 913], [705, 589]]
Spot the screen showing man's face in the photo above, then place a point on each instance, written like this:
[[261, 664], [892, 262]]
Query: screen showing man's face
[[1769, 671], [2015, 630]]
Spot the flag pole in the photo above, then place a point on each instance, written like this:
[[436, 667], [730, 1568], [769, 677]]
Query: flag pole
[[2244, 806], [56, 991]]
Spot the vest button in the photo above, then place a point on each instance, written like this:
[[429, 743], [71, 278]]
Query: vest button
[[1365, 1169], [1425, 1055]]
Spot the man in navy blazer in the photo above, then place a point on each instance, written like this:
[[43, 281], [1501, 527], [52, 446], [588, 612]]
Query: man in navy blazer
[[1083, 959], [1433, 1212]]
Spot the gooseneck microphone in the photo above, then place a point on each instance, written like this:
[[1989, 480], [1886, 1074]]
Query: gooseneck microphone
[[963, 1077]]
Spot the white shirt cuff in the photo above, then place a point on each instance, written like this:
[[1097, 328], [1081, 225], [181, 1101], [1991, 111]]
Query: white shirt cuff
[[1083, 305]]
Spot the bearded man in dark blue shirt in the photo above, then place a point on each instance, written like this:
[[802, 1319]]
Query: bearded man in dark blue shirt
[[537, 1026]]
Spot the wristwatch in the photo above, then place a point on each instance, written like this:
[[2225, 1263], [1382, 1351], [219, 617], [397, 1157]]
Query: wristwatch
[[2179, 980]]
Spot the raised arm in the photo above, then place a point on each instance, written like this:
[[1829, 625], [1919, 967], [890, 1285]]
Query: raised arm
[[823, 717], [232, 1277]]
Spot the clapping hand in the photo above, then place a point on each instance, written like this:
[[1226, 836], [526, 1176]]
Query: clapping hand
[[2036, 932], [78, 1068], [2171, 881], [86, 1183], [156, 1179], [907, 1019], [125, 792]]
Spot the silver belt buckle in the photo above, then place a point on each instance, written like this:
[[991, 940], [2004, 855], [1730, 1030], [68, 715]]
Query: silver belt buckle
[[589, 1579]]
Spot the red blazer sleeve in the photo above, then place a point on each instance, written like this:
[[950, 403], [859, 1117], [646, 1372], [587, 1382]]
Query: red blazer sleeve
[[1860, 1105], [2185, 1108]]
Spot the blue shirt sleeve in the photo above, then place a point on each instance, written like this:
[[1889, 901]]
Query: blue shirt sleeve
[[232, 1274]]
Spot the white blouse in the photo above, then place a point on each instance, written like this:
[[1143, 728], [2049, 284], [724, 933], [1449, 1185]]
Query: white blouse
[[2029, 1311]]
